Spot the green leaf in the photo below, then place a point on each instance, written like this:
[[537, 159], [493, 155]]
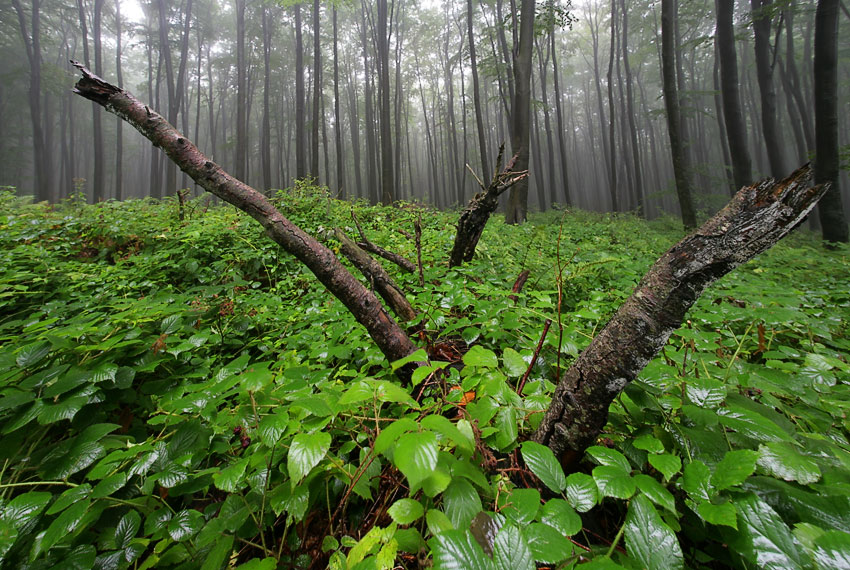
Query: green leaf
[[437, 521], [506, 423], [256, 376], [695, 480], [547, 544], [522, 505], [706, 393], [390, 434], [109, 485], [8, 536], [126, 529], [648, 539], [734, 468], [610, 457], [23, 508], [259, 564], [272, 427], [763, 538], [461, 502], [832, 550], [612, 481], [478, 356], [69, 497], [510, 550], [418, 356], [751, 424], [405, 511], [219, 554], [231, 478], [63, 410], [32, 354], [514, 363], [542, 463], [305, 452], [457, 550], [415, 456], [558, 514], [720, 514], [656, 492], [449, 430], [389, 392], [649, 443], [787, 462], [667, 464], [185, 524], [581, 492], [63, 526]]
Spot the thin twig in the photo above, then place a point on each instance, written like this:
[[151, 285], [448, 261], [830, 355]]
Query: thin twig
[[525, 376], [417, 226], [476, 177]]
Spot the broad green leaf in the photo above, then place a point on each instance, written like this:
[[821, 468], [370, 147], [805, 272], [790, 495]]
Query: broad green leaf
[[514, 363], [389, 392], [63, 410], [8, 536], [171, 324], [558, 514], [610, 457], [23, 508], [272, 427], [510, 550], [305, 452], [720, 514], [521, 506], [126, 529], [478, 356], [832, 550], [219, 554], [109, 485], [356, 392], [581, 492], [734, 468], [81, 558], [63, 526], [69, 497], [546, 543], [542, 463], [648, 539], [706, 393], [415, 456], [461, 502], [437, 521], [457, 550], [447, 429], [695, 480], [667, 464], [409, 539], [185, 524], [231, 478], [656, 492], [418, 356], [256, 376], [506, 423], [32, 354], [751, 424], [785, 461], [259, 564], [406, 511], [763, 538], [649, 443], [612, 481], [390, 434]]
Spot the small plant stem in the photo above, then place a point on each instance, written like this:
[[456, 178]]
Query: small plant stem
[[737, 351], [615, 542], [525, 376]]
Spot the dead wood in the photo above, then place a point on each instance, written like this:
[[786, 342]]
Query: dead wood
[[390, 338], [757, 217], [367, 245]]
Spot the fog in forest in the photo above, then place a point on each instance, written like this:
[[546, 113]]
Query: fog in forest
[[390, 100]]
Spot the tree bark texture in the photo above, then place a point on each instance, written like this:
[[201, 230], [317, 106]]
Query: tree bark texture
[[764, 73], [300, 100], [831, 210], [757, 217], [362, 303]]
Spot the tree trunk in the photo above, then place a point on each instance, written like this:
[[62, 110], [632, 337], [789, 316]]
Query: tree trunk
[[340, 163], [371, 143], [300, 101], [317, 93], [612, 143], [756, 218], [764, 72], [387, 179], [241, 158], [265, 135], [671, 103], [476, 98], [360, 301], [831, 209], [98, 184], [119, 136], [733, 114], [562, 147], [630, 104], [521, 113]]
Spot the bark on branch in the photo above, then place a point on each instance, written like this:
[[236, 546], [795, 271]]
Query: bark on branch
[[364, 243], [366, 308], [474, 217], [757, 217]]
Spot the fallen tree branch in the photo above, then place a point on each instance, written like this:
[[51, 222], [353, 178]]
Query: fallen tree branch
[[757, 217], [390, 338], [474, 217], [364, 243], [377, 275], [531, 364], [518, 285]]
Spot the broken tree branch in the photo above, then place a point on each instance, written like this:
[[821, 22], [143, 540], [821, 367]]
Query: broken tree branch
[[390, 338], [364, 243], [474, 217], [377, 275], [757, 217]]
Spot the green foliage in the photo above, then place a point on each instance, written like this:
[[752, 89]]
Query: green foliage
[[181, 394]]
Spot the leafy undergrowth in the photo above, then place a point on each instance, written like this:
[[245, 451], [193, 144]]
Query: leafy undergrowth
[[183, 395]]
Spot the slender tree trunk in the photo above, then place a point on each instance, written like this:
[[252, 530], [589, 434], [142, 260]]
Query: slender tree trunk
[[521, 113], [631, 114], [721, 121], [794, 78], [119, 137], [562, 147], [476, 98], [764, 73], [671, 104], [371, 143], [265, 135], [612, 142], [241, 158], [340, 162], [733, 114], [832, 217], [300, 100], [317, 92], [383, 33], [354, 120]]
